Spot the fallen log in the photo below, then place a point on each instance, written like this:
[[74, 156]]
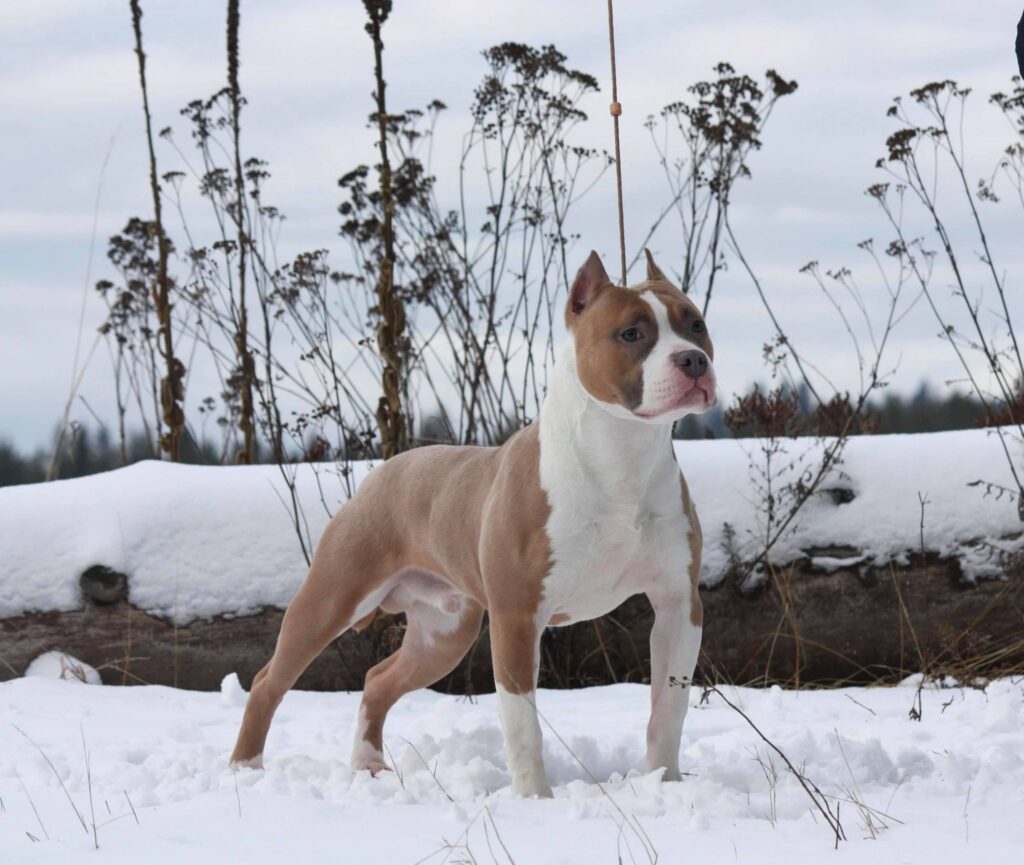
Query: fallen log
[[806, 625], [178, 574]]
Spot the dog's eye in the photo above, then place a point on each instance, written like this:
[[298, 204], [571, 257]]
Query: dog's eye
[[698, 326], [630, 334]]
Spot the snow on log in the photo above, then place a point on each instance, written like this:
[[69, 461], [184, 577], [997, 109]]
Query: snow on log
[[178, 574]]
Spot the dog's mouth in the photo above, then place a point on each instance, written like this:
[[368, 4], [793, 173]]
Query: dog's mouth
[[698, 398]]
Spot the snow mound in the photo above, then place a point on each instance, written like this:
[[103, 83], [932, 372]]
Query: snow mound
[[57, 665], [197, 542], [231, 691], [942, 790]]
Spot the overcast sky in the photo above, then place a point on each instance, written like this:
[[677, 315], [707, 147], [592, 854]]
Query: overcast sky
[[69, 96]]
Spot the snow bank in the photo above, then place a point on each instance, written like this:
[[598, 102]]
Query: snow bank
[[947, 787], [202, 541], [57, 665]]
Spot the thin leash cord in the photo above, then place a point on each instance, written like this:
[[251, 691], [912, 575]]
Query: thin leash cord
[[616, 110]]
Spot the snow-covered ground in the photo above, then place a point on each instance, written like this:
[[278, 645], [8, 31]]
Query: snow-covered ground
[[200, 541], [148, 766]]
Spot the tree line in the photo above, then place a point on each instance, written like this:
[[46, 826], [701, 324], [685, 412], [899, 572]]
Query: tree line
[[89, 450]]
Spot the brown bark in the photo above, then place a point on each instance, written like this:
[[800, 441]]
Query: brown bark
[[852, 627], [391, 422], [172, 386], [243, 354]]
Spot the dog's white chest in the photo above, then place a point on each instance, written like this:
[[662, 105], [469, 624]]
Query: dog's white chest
[[604, 552], [616, 525], [594, 569]]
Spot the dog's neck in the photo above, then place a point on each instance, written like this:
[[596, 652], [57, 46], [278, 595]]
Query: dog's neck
[[580, 437]]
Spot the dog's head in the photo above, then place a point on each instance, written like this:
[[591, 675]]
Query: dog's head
[[642, 352]]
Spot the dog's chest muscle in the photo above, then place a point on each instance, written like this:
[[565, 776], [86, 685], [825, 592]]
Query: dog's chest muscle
[[609, 546]]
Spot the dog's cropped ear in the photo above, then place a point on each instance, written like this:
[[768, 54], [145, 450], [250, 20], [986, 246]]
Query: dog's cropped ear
[[591, 279], [653, 271]]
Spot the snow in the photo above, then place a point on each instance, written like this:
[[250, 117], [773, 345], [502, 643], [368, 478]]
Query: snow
[[202, 541], [57, 665], [950, 784], [195, 541]]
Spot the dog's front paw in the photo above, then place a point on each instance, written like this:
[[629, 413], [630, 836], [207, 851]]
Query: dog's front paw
[[246, 763], [532, 787]]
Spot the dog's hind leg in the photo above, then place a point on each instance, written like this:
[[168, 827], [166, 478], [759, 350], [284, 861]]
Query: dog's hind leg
[[434, 643], [326, 605]]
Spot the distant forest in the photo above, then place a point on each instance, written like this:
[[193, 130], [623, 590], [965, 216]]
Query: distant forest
[[88, 451]]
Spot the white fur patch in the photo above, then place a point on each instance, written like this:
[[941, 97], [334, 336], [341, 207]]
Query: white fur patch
[[617, 525], [523, 743], [413, 585], [364, 755], [436, 605], [675, 645]]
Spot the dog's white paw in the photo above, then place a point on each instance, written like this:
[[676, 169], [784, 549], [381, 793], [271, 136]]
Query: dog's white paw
[[532, 787], [371, 765]]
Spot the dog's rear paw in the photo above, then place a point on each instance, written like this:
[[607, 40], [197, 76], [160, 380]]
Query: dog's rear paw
[[251, 763], [374, 767]]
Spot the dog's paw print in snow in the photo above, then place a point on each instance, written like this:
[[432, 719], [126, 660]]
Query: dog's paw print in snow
[[914, 763]]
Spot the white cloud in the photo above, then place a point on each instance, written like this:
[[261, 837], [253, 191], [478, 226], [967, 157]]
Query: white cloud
[[19, 224], [68, 83]]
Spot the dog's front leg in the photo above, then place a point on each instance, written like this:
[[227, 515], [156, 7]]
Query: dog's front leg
[[675, 644], [515, 650]]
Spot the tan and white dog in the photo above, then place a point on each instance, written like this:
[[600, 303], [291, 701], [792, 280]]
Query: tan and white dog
[[567, 519]]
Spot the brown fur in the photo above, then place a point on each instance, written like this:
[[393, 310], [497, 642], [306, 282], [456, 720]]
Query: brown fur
[[614, 376], [696, 540], [442, 533], [472, 517]]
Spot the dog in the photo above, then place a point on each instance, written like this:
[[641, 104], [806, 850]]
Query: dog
[[572, 515]]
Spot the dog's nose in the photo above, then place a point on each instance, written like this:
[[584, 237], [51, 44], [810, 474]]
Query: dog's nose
[[693, 363]]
